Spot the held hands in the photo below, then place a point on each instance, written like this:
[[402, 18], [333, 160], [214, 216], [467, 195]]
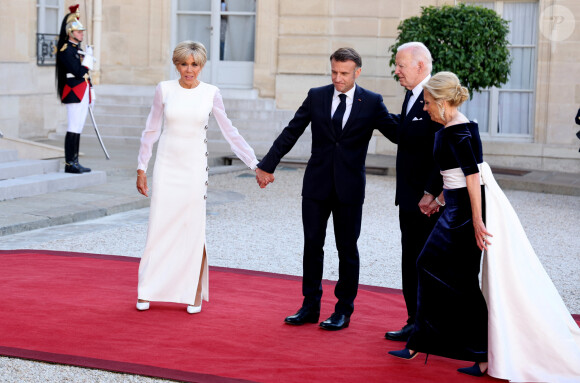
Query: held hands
[[428, 205], [263, 178], [142, 183]]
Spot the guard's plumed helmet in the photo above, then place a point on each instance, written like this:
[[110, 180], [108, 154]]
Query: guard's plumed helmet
[[72, 20]]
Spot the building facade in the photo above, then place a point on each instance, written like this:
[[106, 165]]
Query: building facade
[[280, 49]]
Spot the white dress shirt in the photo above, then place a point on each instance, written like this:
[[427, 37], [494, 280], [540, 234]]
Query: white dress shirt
[[336, 101], [416, 92]]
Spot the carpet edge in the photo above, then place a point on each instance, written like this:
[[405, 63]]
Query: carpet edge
[[116, 366]]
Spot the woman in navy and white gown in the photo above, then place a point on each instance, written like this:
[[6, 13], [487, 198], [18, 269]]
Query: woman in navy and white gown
[[516, 327]]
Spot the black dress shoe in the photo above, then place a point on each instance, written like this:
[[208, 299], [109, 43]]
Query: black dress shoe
[[335, 322], [82, 168], [304, 315], [402, 335], [72, 168]]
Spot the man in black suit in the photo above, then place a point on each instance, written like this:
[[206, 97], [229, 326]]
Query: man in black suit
[[418, 178], [342, 117]]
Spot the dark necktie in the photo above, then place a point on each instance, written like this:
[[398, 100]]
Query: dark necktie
[[406, 102], [339, 114]]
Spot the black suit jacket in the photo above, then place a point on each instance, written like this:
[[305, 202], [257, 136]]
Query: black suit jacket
[[416, 169], [337, 163]]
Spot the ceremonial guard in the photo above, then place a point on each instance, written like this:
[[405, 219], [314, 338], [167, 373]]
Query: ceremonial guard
[[74, 85]]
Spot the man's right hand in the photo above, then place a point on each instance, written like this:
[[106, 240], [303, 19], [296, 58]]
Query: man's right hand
[[263, 178]]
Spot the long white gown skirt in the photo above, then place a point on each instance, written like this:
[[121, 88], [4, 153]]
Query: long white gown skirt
[[531, 335], [173, 263]]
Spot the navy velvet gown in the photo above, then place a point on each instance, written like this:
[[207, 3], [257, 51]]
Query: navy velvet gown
[[451, 310]]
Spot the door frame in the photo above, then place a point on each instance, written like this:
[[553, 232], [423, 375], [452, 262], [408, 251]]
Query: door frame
[[217, 72]]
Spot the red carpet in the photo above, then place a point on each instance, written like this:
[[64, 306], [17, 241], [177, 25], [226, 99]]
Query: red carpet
[[79, 309]]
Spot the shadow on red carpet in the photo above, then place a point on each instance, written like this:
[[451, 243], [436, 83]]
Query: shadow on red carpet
[[79, 309]]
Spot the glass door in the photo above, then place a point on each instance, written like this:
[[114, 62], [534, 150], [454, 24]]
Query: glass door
[[227, 29]]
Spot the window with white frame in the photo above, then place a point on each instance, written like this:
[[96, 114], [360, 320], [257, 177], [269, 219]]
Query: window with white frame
[[509, 111], [49, 16]]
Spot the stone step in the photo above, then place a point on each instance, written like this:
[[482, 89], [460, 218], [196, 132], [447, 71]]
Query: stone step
[[7, 155], [235, 115], [302, 148], [92, 138], [121, 110], [118, 120], [106, 131], [269, 128], [125, 99], [24, 168], [48, 183], [144, 103]]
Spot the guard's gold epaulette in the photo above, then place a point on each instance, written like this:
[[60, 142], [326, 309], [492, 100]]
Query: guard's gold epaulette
[[63, 47]]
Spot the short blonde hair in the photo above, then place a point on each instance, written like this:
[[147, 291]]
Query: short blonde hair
[[445, 86], [189, 48]]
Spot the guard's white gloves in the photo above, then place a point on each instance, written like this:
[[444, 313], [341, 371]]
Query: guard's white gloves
[[88, 61]]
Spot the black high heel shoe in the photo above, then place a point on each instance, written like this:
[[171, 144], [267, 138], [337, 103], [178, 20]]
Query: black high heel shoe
[[473, 370], [404, 354]]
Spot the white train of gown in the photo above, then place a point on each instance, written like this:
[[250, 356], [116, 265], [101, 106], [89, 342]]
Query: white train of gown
[[173, 263], [531, 335]]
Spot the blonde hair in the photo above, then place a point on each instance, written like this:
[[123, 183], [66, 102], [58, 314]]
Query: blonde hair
[[189, 48], [445, 86]]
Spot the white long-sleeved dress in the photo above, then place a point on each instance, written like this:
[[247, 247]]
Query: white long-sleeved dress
[[174, 267]]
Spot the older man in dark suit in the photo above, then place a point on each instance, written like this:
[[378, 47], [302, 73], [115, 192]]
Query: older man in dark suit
[[418, 178], [342, 117]]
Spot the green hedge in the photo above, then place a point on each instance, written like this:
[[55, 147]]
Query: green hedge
[[468, 40]]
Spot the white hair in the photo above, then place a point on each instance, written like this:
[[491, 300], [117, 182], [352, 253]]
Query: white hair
[[419, 52]]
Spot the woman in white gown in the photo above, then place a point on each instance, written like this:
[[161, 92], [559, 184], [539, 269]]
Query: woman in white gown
[[174, 266]]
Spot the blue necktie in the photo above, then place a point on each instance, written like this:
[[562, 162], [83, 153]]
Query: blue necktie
[[339, 114]]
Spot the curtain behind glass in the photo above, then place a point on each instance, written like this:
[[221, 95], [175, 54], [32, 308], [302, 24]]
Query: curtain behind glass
[[239, 43], [477, 109], [516, 108], [239, 31], [196, 28], [194, 5], [48, 16]]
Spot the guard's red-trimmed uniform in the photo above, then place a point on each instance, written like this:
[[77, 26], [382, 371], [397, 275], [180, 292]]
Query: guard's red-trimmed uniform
[[73, 85], [77, 76]]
